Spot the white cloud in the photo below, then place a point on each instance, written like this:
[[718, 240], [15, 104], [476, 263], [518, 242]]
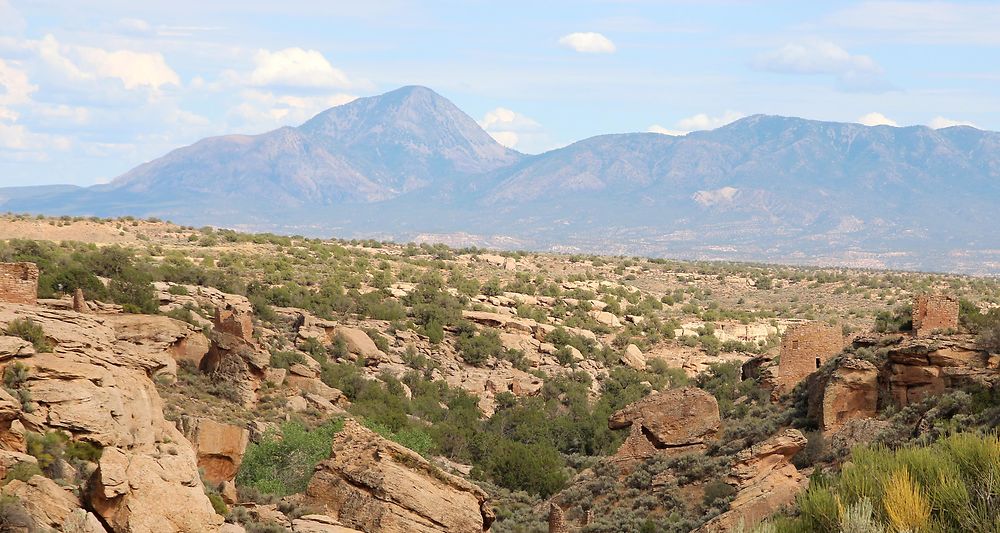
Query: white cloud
[[701, 121], [514, 130], [814, 56], [876, 119], [296, 67], [588, 42], [134, 69], [15, 88], [942, 122], [264, 110], [656, 128]]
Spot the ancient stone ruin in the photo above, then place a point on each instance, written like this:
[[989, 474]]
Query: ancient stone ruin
[[19, 283], [934, 312], [804, 348], [557, 520]]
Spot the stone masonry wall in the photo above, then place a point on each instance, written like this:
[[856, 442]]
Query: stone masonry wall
[[557, 520], [804, 348], [934, 312], [19, 283]]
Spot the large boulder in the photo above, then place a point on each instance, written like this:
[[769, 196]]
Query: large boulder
[[358, 342], [48, 504], [139, 492], [375, 485], [219, 447], [765, 481], [632, 356], [676, 420], [848, 392]]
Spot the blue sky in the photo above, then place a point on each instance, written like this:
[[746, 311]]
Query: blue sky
[[88, 92]]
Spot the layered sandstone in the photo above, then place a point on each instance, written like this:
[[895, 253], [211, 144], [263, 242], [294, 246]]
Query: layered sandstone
[[765, 480], [97, 387], [372, 484], [848, 392], [675, 421]]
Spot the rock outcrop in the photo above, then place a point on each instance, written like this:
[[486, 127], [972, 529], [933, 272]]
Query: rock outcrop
[[765, 480], [918, 367], [98, 388], [674, 421], [848, 392], [375, 485], [218, 447], [160, 336]]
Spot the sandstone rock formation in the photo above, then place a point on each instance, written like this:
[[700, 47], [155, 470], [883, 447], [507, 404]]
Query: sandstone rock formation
[[848, 392], [48, 504], [765, 480], [358, 342], [375, 485], [633, 357], [918, 367], [674, 421], [98, 388], [157, 335], [219, 447]]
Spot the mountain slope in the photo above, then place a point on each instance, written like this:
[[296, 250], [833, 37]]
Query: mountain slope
[[408, 164], [368, 150]]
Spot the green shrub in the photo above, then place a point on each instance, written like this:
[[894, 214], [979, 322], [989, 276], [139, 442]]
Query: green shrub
[[178, 290], [14, 378], [286, 359], [31, 331], [22, 472], [380, 341], [282, 464], [534, 468], [218, 504], [477, 349], [951, 485], [415, 439]]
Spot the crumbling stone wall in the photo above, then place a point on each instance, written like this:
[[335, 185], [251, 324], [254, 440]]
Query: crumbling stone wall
[[934, 312], [557, 520], [804, 348], [19, 283]]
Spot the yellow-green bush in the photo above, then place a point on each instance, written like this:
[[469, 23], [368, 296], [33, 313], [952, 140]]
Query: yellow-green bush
[[952, 485]]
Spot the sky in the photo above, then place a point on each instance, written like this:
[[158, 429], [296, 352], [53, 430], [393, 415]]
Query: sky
[[89, 90]]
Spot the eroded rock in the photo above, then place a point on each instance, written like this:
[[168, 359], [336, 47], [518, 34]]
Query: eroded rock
[[372, 484], [676, 420]]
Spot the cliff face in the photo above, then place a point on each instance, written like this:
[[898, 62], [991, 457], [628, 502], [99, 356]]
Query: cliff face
[[96, 388]]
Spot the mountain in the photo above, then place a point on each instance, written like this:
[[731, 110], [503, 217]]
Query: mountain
[[409, 164], [370, 149]]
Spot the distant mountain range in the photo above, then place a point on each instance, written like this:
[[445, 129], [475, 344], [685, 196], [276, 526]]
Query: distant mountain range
[[410, 165]]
